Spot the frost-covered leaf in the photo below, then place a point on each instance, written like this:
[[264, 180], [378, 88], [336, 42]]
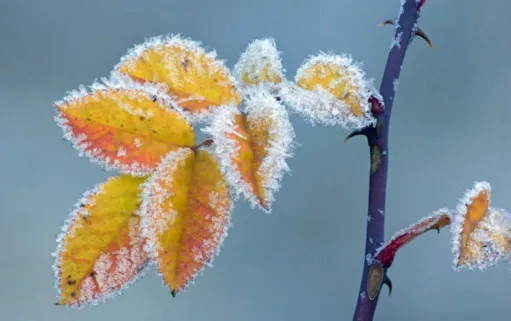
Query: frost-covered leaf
[[186, 214], [196, 79], [386, 253], [253, 146], [331, 90], [260, 64], [125, 127], [481, 234], [101, 250]]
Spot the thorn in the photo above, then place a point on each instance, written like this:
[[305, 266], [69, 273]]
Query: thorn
[[205, 143], [418, 32], [174, 293], [386, 22], [388, 283], [423, 35], [357, 132]]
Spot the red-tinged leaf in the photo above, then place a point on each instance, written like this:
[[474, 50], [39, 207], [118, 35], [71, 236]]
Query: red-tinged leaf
[[101, 250], [186, 215], [386, 253], [121, 127]]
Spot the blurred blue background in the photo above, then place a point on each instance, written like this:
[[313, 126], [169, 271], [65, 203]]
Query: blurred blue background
[[450, 126]]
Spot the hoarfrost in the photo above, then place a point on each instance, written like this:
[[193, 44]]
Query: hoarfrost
[[261, 62], [320, 105], [261, 107]]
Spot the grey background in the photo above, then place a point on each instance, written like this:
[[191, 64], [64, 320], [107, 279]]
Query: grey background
[[450, 127]]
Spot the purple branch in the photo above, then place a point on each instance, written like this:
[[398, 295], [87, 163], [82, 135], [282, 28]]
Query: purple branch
[[379, 151]]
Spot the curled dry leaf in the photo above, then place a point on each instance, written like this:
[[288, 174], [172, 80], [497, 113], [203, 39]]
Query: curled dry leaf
[[260, 64], [101, 250], [123, 127], [331, 90], [481, 234], [386, 253], [253, 146], [196, 79], [186, 214]]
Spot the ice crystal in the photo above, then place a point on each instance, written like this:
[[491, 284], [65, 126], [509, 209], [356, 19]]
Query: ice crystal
[[260, 64], [262, 108]]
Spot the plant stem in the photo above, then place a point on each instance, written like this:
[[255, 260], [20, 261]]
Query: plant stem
[[379, 151]]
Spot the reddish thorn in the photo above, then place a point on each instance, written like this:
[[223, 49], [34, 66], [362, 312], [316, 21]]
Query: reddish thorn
[[205, 143], [419, 7]]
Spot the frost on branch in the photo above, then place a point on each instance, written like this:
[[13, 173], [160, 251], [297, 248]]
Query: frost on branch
[[386, 253], [123, 126], [101, 250], [260, 64], [186, 213], [331, 90], [253, 146], [196, 79], [481, 235]]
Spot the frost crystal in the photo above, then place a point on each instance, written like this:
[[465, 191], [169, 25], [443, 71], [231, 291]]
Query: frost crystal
[[262, 108], [155, 193], [260, 63], [226, 149], [331, 90]]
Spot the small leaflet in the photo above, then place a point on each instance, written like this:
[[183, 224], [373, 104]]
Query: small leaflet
[[331, 90], [186, 213], [386, 253], [123, 126], [260, 64], [195, 79], [101, 250], [271, 135], [481, 235], [253, 146]]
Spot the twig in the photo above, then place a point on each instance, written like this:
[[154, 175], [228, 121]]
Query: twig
[[379, 151]]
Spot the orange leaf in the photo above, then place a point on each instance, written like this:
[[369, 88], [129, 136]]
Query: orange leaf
[[186, 215], [101, 250], [253, 146], [386, 253], [194, 78], [123, 128], [481, 234]]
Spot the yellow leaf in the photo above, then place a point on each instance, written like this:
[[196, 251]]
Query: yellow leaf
[[123, 128], [186, 215], [101, 250], [194, 78], [260, 63], [339, 76], [331, 90]]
